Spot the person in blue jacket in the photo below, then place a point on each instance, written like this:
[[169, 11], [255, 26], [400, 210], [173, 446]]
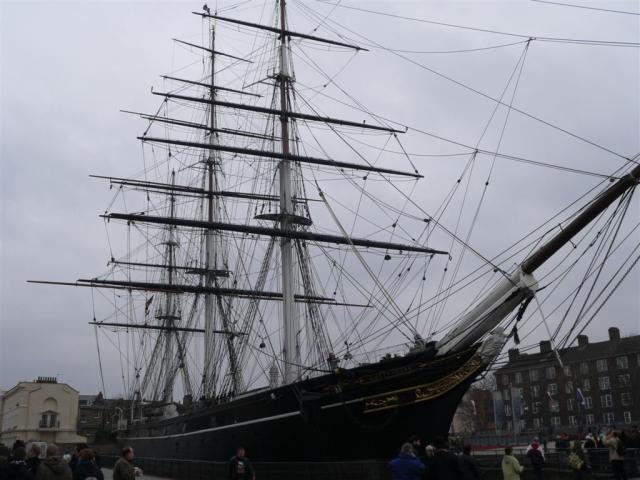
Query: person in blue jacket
[[406, 465]]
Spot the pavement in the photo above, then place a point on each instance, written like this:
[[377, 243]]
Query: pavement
[[108, 475]]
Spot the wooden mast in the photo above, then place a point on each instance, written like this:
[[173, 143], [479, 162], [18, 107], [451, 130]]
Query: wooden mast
[[291, 346], [209, 369]]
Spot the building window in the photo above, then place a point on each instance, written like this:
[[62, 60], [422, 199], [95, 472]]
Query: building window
[[555, 421], [505, 379], [48, 420], [572, 420], [507, 410], [553, 388], [568, 387], [622, 362], [554, 406], [606, 401], [535, 407], [603, 383], [601, 365], [627, 417], [590, 419], [534, 375], [506, 394], [570, 405], [624, 380], [608, 418], [537, 423], [567, 370], [588, 403], [518, 377], [586, 385], [584, 368], [550, 372], [626, 399], [535, 391]]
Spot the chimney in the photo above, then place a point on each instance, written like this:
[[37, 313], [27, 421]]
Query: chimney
[[614, 334], [583, 340], [514, 353], [545, 346]]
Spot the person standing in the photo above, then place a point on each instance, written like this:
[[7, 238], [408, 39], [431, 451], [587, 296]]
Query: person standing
[[468, 468], [416, 443], [578, 461], [511, 468], [406, 466], [53, 467], [33, 458], [240, 467], [17, 468], [616, 454], [537, 460], [124, 469], [443, 465], [86, 467]]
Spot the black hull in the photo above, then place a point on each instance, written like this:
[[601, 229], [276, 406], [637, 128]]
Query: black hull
[[375, 409]]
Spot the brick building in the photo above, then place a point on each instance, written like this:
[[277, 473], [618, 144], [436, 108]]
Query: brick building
[[598, 386], [99, 418]]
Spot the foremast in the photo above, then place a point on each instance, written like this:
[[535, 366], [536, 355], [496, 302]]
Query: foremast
[[214, 308]]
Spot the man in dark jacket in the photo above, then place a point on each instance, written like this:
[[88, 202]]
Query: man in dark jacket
[[33, 458], [75, 456], [124, 469], [53, 467], [537, 459], [443, 465], [240, 467], [468, 468], [406, 466], [17, 468]]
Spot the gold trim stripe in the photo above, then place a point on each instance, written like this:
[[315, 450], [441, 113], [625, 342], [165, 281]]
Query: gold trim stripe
[[422, 393]]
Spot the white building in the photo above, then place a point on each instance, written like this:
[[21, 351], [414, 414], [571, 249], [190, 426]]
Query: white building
[[43, 410]]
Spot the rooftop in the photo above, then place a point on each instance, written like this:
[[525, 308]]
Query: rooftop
[[613, 347]]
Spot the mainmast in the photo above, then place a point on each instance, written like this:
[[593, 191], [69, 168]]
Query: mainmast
[[210, 369], [291, 346]]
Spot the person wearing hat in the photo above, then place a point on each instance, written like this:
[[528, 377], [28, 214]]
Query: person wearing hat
[[535, 455]]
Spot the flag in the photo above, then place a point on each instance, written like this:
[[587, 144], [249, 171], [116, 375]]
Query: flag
[[147, 304], [580, 398], [498, 409]]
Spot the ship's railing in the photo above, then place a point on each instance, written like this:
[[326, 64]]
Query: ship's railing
[[375, 356]]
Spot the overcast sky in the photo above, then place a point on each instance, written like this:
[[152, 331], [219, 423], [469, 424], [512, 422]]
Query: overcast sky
[[68, 68]]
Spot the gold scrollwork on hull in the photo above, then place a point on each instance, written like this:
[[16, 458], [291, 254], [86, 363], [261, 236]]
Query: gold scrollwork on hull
[[422, 393]]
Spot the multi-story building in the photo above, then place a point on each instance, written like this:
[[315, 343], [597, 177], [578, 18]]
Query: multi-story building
[[100, 418], [42, 410], [598, 385]]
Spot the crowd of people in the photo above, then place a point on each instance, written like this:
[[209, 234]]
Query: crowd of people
[[26, 461], [437, 462], [433, 462]]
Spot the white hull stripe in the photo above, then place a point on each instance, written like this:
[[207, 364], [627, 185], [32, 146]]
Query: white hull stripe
[[216, 429]]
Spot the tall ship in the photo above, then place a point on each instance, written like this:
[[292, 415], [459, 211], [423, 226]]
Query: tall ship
[[272, 281]]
